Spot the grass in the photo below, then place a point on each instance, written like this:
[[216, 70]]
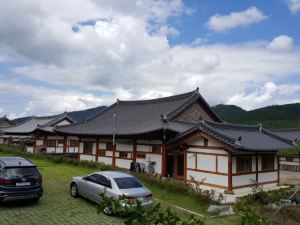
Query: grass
[[58, 207]]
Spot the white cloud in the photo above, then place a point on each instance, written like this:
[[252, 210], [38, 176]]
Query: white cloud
[[221, 23], [1, 110], [281, 42], [265, 95], [122, 54], [294, 6]]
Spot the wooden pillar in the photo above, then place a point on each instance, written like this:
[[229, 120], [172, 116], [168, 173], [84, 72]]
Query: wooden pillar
[[185, 165], [164, 160], [278, 170], [45, 142], [114, 155], [134, 151], [256, 166], [97, 149], [65, 144], [230, 172]]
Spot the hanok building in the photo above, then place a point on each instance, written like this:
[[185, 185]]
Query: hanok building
[[291, 163], [39, 136], [180, 136], [4, 122]]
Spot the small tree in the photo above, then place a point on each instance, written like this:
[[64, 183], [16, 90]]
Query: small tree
[[293, 151]]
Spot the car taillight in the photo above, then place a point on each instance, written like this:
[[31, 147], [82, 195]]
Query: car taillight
[[40, 180], [4, 181], [149, 196], [125, 197]]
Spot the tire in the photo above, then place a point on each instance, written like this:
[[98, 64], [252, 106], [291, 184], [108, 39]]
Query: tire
[[108, 211], [74, 190]]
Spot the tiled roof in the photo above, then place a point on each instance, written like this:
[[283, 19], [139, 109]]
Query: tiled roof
[[291, 134], [42, 123], [241, 137], [134, 117]]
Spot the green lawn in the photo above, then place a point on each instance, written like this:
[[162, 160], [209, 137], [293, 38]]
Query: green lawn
[[57, 207]]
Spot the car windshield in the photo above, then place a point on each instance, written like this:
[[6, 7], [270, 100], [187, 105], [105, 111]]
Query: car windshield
[[128, 182], [22, 172]]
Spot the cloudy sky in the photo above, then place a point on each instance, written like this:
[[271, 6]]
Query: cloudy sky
[[75, 54]]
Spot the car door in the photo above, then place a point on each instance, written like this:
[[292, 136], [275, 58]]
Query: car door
[[102, 184], [85, 186]]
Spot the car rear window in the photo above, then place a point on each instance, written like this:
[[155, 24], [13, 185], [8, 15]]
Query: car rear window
[[128, 182], [22, 172]]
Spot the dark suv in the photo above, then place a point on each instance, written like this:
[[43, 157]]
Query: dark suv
[[19, 179]]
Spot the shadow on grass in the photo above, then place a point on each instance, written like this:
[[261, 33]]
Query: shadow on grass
[[19, 203]]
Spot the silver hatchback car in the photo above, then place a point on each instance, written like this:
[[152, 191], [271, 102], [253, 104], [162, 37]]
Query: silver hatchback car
[[116, 184]]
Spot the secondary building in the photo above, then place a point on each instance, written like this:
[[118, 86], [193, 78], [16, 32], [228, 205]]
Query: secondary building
[[180, 136], [290, 163], [39, 136]]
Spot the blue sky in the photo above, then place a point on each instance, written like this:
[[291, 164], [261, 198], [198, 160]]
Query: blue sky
[[237, 52]]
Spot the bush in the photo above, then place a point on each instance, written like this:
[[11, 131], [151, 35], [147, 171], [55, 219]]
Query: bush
[[249, 217], [179, 187], [17, 150], [135, 214]]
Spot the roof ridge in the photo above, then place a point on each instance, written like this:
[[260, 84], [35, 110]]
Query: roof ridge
[[101, 112], [212, 129], [162, 99], [280, 138], [285, 129], [233, 125]]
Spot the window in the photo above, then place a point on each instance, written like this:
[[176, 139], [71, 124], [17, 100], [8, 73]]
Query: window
[[74, 143], [128, 182], [123, 155], [102, 152], [51, 143], [88, 148], [141, 155], [109, 146], [243, 164], [156, 148], [267, 162], [289, 159], [60, 142]]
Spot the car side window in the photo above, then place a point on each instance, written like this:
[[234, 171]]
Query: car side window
[[92, 178], [102, 180]]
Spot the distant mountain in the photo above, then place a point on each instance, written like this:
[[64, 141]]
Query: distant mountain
[[82, 115], [78, 116], [276, 116]]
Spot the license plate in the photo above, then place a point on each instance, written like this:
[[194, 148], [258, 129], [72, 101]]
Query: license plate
[[22, 184]]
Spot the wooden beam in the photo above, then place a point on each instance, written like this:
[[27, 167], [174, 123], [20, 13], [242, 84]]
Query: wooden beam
[[114, 155], [230, 172], [97, 149], [164, 160], [65, 144], [256, 166], [134, 151]]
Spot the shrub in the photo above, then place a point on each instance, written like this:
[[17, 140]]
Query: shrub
[[135, 214], [249, 217]]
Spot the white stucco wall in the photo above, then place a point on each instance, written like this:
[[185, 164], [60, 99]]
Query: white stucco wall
[[105, 160], [87, 157], [216, 179], [206, 162], [63, 122], [243, 179], [123, 163], [152, 158], [222, 164], [124, 147], [30, 149], [266, 177]]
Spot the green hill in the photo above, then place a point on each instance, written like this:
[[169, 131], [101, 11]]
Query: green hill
[[276, 116]]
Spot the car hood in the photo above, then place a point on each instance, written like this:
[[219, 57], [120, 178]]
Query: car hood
[[136, 191]]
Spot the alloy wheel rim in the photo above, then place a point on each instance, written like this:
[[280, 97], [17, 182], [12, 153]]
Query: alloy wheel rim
[[74, 190]]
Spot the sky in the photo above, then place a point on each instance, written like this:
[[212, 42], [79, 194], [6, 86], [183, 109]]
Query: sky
[[58, 56]]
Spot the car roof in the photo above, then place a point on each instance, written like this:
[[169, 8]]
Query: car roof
[[15, 161], [114, 174]]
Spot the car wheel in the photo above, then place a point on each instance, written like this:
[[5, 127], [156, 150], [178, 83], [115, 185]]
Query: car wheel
[[108, 211], [74, 190]]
